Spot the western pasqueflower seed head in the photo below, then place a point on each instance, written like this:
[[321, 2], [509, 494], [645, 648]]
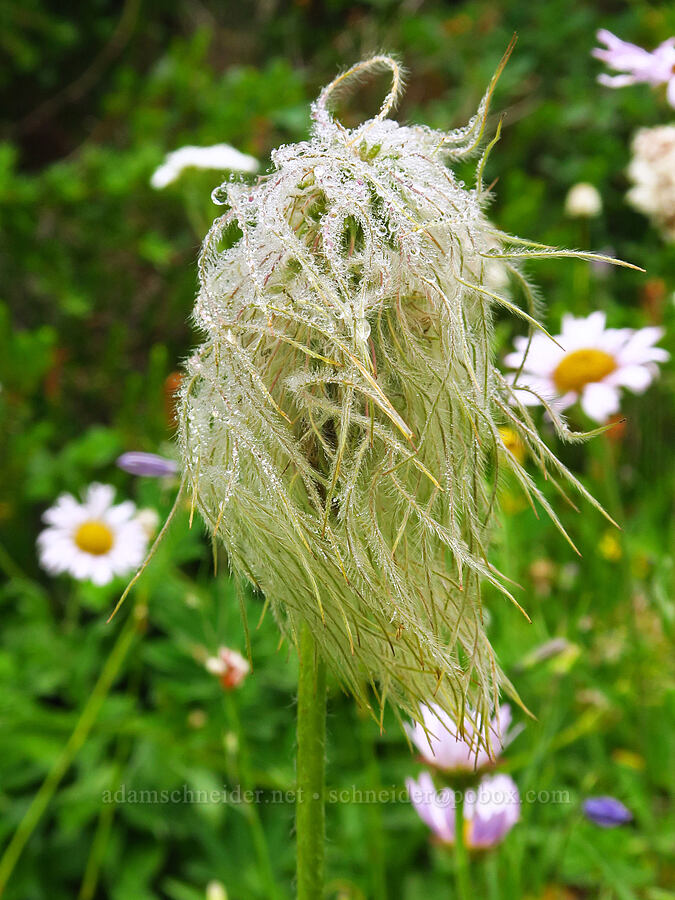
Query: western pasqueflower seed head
[[340, 424]]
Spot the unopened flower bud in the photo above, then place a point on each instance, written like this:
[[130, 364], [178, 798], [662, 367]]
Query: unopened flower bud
[[583, 201]]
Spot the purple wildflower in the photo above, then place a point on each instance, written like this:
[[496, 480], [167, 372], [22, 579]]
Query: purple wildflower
[[490, 812], [608, 812], [638, 66], [148, 464], [440, 744]]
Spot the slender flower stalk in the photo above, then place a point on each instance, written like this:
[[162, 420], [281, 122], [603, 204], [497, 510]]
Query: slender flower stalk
[[250, 810], [461, 860]]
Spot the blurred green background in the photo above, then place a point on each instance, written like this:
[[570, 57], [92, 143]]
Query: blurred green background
[[97, 280]]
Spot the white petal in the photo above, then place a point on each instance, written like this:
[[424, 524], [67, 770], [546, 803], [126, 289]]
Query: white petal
[[82, 565], [617, 81], [613, 339], [639, 347], [54, 560], [542, 356], [65, 512], [100, 571], [637, 378], [582, 332], [55, 548], [531, 389], [129, 546], [98, 500], [121, 513], [599, 401], [215, 666]]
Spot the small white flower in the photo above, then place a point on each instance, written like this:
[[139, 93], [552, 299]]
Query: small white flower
[[591, 364], [583, 201], [93, 540], [220, 156], [230, 667], [652, 171]]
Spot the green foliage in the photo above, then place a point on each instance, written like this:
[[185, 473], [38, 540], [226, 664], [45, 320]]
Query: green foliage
[[98, 277]]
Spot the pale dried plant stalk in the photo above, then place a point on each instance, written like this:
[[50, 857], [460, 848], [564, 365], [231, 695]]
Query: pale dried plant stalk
[[340, 424]]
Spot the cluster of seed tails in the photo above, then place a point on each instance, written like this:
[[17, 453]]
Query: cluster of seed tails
[[340, 424]]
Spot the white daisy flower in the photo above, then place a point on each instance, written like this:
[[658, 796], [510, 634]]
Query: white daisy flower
[[93, 540], [591, 365]]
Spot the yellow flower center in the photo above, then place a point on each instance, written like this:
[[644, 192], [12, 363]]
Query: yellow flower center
[[94, 537], [582, 367], [513, 443]]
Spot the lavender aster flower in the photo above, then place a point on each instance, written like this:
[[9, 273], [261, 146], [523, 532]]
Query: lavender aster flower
[[489, 812], [148, 464], [440, 745], [435, 808], [637, 64], [608, 812]]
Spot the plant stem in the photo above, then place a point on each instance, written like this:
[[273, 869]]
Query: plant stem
[[461, 858], [101, 836], [80, 733], [106, 815], [376, 843], [251, 810], [310, 797]]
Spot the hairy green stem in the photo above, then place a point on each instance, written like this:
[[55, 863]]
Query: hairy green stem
[[311, 785], [77, 738]]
